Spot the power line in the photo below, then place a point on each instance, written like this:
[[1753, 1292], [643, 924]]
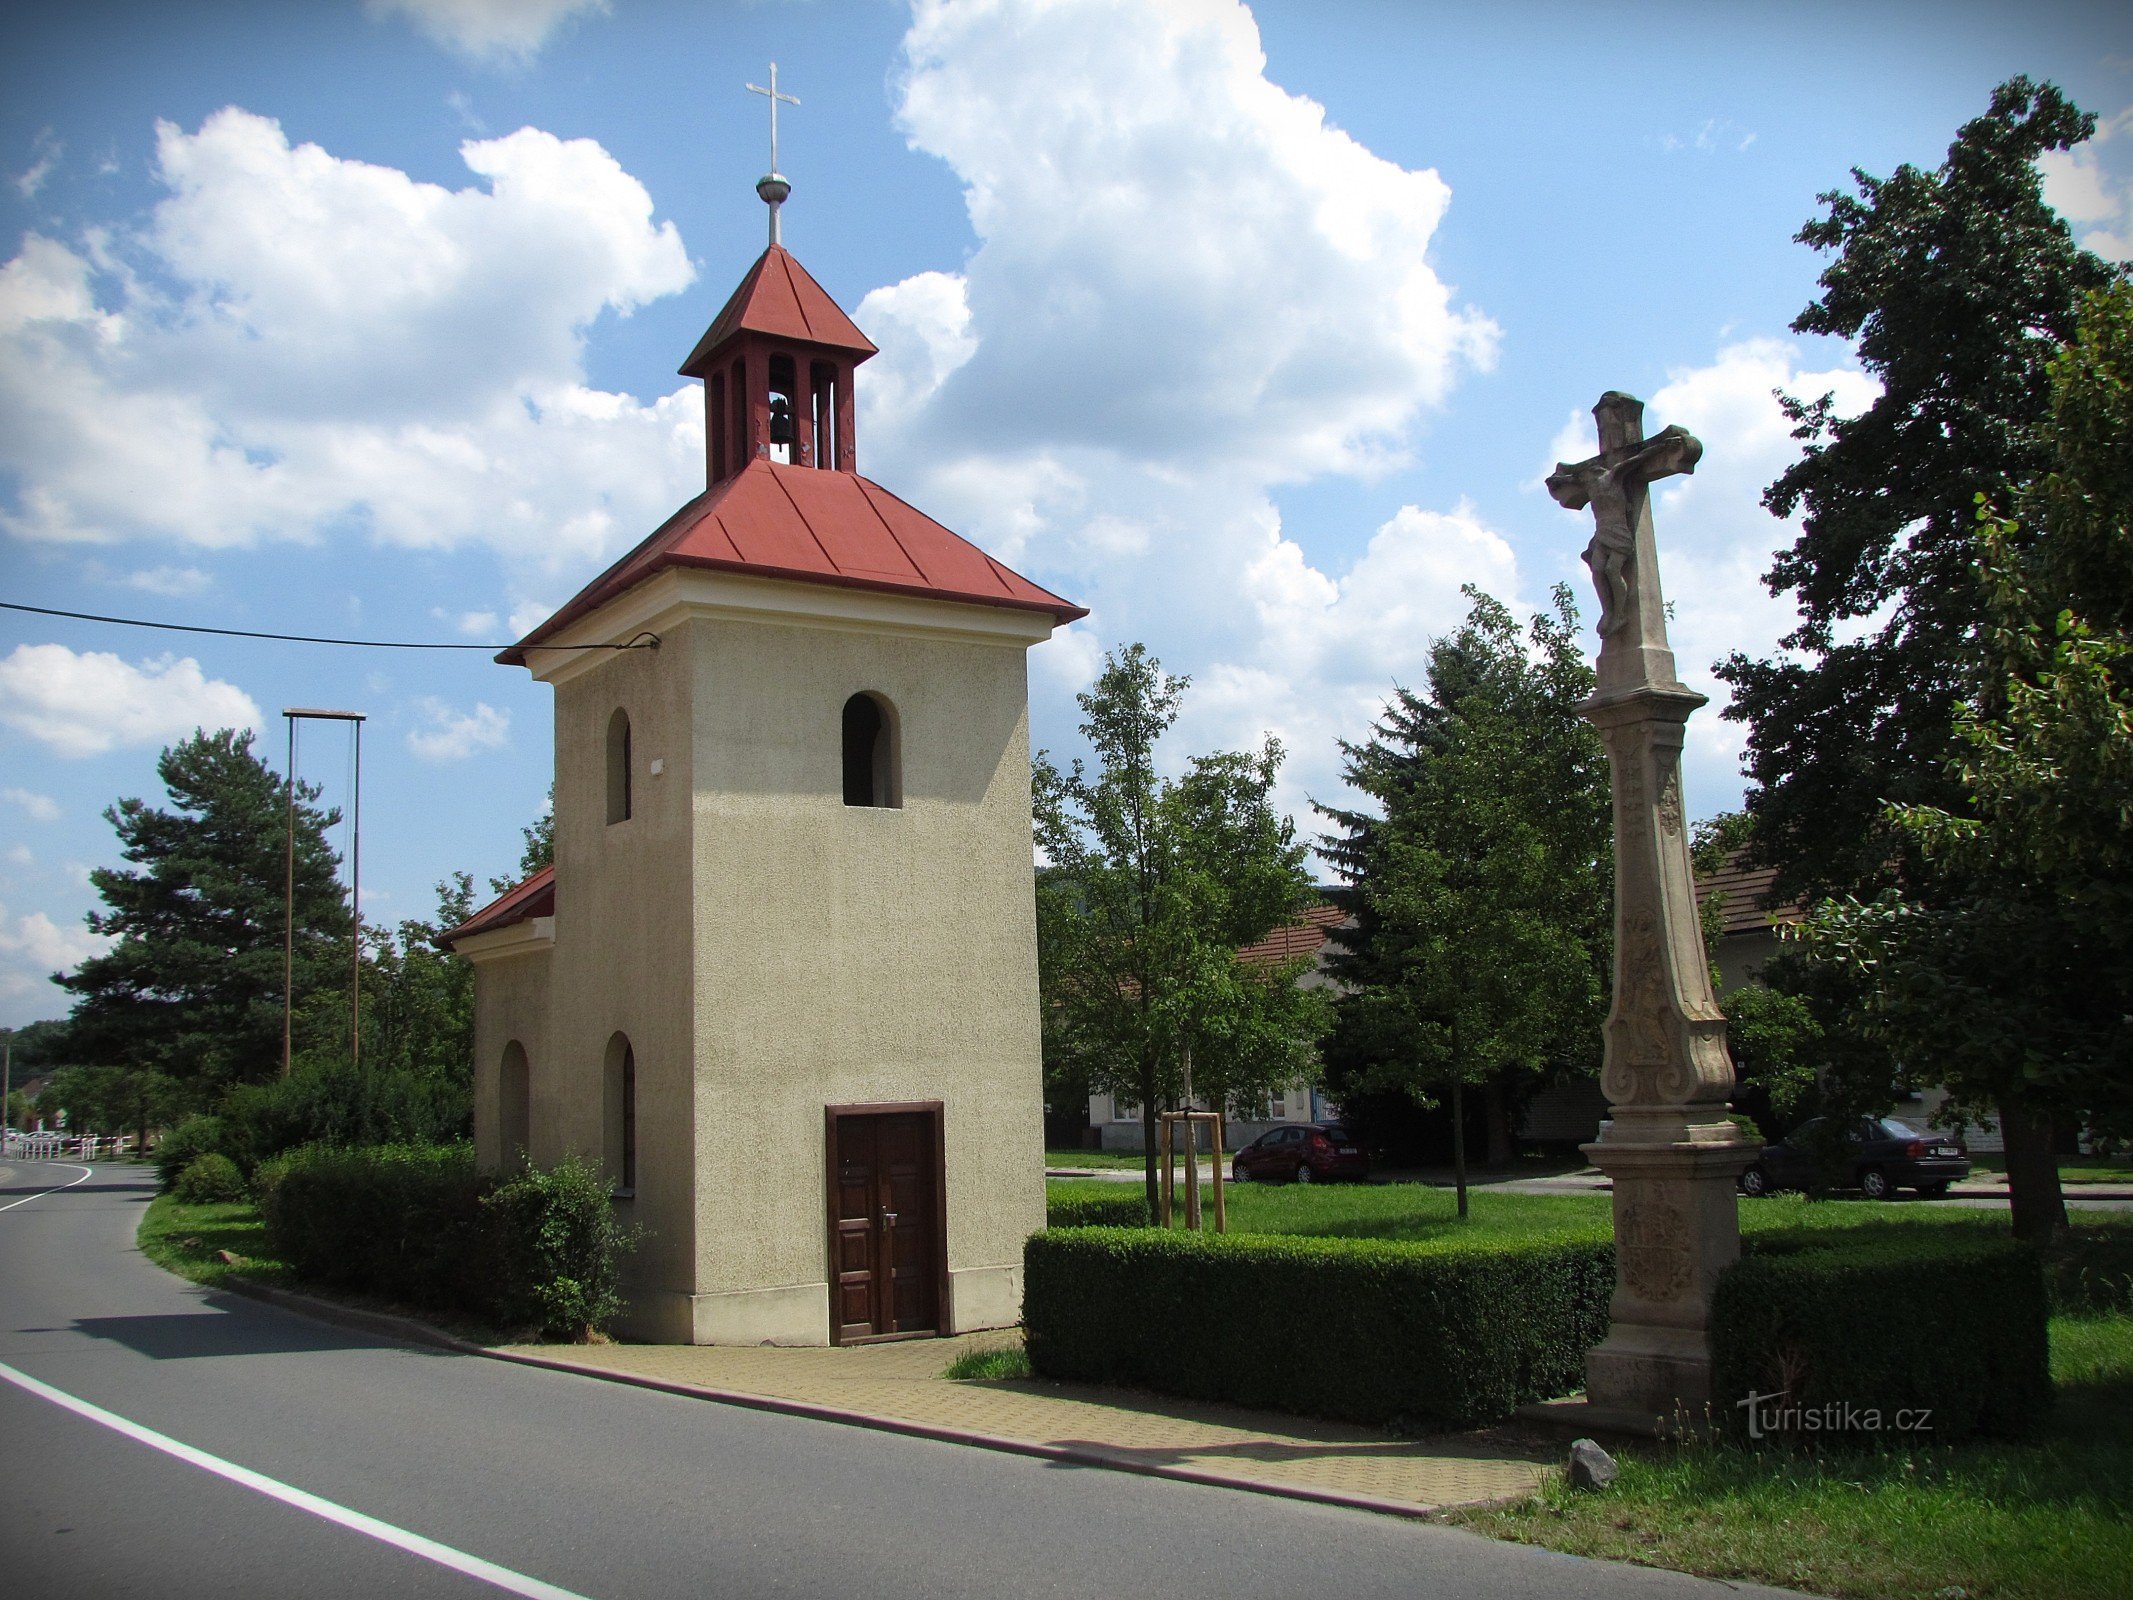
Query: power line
[[643, 641]]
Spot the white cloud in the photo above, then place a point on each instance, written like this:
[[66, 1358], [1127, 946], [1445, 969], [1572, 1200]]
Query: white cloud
[[2091, 186], [36, 947], [176, 583], [454, 736], [1715, 539], [1189, 290], [495, 32], [84, 705], [46, 150], [41, 807], [452, 323]]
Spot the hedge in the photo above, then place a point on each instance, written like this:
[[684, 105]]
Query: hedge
[[1954, 1325], [1376, 1331], [1098, 1211], [418, 1224]]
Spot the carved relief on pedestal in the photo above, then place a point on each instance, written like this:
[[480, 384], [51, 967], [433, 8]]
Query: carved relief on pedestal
[[1652, 1246], [1670, 800]]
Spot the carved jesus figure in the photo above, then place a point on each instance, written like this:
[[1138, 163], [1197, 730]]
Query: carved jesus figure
[[1615, 484]]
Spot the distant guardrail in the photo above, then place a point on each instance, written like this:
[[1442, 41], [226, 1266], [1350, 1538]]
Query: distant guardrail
[[49, 1146]]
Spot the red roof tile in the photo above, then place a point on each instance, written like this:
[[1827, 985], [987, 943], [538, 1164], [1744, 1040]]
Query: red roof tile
[[533, 898], [778, 298], [812, 526], [1742, 891], [1299, 938]]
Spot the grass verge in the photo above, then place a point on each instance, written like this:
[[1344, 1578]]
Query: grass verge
[[197, 1242], [2072, 1169], [2050, 1518]]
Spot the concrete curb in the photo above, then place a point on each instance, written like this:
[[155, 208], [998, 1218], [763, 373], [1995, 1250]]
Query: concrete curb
[[411, 1331]]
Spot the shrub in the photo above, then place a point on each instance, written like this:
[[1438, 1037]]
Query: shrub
[[176, 1150], [1377, 1331], [1884, 1323], [209, 1180], [417, 1224], [400, 1221], [331, 1102], [1098, 1211], [555, 1250]]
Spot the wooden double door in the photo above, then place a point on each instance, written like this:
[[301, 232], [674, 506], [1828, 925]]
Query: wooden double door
[[887, 1234]]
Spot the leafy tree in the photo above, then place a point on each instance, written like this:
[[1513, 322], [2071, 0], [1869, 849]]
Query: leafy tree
[[418, 999], [112, 1100], [539, 851], [1957, 286], [1481, 882], [193, 987], [2015, 977], [1150, 887]]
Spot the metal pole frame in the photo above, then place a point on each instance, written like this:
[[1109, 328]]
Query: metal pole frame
[[295, 714]]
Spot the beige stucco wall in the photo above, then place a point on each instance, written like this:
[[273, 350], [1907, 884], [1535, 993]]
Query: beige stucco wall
[[770, 951], [849, 955], [621, 964], [511, 1004]]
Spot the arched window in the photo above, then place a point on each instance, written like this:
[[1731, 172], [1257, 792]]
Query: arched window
[[871, 777], [618, 766], [716, 432], [783, 423], [514, 1107], [619, 1113]]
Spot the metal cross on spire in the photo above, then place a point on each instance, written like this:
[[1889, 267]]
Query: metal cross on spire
[[772, 186]]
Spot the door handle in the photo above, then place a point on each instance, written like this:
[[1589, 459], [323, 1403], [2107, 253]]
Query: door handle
[[889, 1218]]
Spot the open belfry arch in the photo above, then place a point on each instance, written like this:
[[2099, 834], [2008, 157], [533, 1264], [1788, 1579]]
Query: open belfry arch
[[781, 980]]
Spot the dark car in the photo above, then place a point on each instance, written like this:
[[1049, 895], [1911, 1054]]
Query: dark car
[[1876, 1155], [1313, 1154]]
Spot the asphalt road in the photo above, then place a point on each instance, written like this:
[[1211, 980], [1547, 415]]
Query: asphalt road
[[153, 1437]]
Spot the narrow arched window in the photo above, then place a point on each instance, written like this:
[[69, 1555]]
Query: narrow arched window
[[783, 424], [514, 1107], [870, 755], [619, 1113], [618, 766], [717, 429]]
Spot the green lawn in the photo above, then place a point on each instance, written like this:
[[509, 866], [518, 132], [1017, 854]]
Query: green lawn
[[2050, 1518], [1421, 1211], [1095, 1160], [188, 1240], [2072, 1169]]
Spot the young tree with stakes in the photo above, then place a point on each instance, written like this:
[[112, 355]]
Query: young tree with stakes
[[1149, 888]]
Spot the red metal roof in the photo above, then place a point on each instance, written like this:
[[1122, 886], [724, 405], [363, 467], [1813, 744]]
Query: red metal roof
[[533, 898], [815, 527], [778, 298]]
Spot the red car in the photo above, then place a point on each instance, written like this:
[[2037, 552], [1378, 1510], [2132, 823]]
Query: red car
[[1316, 1154]]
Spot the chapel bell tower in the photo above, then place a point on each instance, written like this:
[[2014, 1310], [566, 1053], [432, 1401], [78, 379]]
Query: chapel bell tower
[[781, 980]]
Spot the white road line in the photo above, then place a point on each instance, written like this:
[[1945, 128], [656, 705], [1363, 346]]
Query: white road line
[[86, 1174], [414, 1543]]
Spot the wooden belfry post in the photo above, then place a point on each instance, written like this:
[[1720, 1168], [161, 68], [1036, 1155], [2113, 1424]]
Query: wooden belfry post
[[1191, 1120], [1673, 1152]]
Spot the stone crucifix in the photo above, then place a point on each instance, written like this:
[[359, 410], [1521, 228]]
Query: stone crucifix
[[1669, 1146]]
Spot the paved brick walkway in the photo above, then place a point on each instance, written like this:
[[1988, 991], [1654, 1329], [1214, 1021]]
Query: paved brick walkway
[[900, 1385]]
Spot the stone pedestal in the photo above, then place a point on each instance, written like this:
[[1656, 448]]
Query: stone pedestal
[[1677, 1226]]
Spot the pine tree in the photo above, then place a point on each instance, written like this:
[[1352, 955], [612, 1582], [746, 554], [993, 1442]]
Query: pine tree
[[193, 987]]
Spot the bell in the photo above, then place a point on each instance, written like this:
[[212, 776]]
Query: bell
[[780, 420]]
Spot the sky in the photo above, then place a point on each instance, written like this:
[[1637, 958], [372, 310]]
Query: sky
[[1253, 329]]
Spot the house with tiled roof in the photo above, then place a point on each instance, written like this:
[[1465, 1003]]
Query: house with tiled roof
[[798, 695]]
